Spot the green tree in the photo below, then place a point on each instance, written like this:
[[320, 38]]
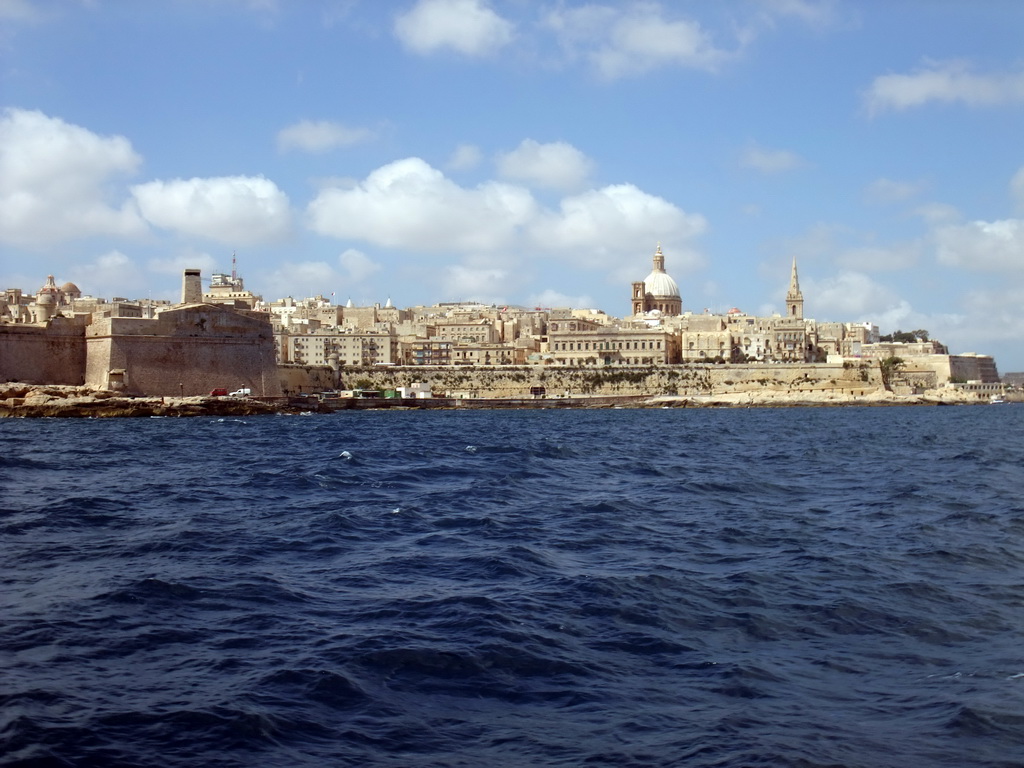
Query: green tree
[[906, 337], [889, 367]]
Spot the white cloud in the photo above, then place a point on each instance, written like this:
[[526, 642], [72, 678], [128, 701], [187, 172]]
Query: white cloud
[[556, 165], [816, 13], [466, 157], [469, 27], [599, 227], [18, 10], [854, 296], [187, 258], [229, 209], [769, 160], [320, 136], [982, 245], [115, 273], [464, 283], [357, 265], [632, 40], [409, 204], [1017, 189], [302, 279], [938, 213], [54, 178], [553, 298], [994, 316], [111, 274], [949, 82], [890, 191]]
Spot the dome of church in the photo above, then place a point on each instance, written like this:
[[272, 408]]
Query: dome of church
[[659, 283], [70, 288], [50, 287], [658, 291]]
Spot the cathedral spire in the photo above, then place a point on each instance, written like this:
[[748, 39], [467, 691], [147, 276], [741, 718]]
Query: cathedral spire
[[794, 296]]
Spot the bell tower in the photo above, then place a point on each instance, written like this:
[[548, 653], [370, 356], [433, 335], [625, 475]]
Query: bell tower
[[639, 298]]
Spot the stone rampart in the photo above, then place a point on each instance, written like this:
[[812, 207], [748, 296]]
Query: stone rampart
[[36, 354], [186, 351], [298, 379], [682, 380]]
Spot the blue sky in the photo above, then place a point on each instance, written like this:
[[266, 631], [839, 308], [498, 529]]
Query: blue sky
[[527, 152]]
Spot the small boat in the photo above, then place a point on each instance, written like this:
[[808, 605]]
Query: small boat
[[996, 400]]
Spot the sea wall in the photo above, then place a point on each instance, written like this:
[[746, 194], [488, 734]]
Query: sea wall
[[682, 380]]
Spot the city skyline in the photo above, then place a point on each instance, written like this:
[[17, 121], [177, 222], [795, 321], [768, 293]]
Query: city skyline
[[531, 154]]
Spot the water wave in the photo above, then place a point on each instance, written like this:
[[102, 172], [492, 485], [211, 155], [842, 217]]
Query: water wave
[[623, 588]]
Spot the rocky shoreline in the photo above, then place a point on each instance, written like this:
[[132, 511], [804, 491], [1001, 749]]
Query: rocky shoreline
[[56, 401], [35, 401], [821, 398]]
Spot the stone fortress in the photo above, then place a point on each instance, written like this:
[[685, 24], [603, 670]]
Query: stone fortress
[[227, 337], [59, 336]]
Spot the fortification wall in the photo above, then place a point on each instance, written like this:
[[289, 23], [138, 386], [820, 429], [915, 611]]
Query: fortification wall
[[952, 367], [974, 368], [683, 380], [187, 351], [297, 379], [35, 354]]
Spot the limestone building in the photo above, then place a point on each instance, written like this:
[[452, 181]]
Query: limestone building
[[335, 346], [575, 341]]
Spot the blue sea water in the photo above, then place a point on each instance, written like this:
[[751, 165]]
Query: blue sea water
[[754, 587]]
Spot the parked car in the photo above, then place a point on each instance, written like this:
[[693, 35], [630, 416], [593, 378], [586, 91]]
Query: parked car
[[243, 392], [218, 392]]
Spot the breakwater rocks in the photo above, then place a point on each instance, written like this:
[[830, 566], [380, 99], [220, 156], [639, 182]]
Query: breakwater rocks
[[26, 400]]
